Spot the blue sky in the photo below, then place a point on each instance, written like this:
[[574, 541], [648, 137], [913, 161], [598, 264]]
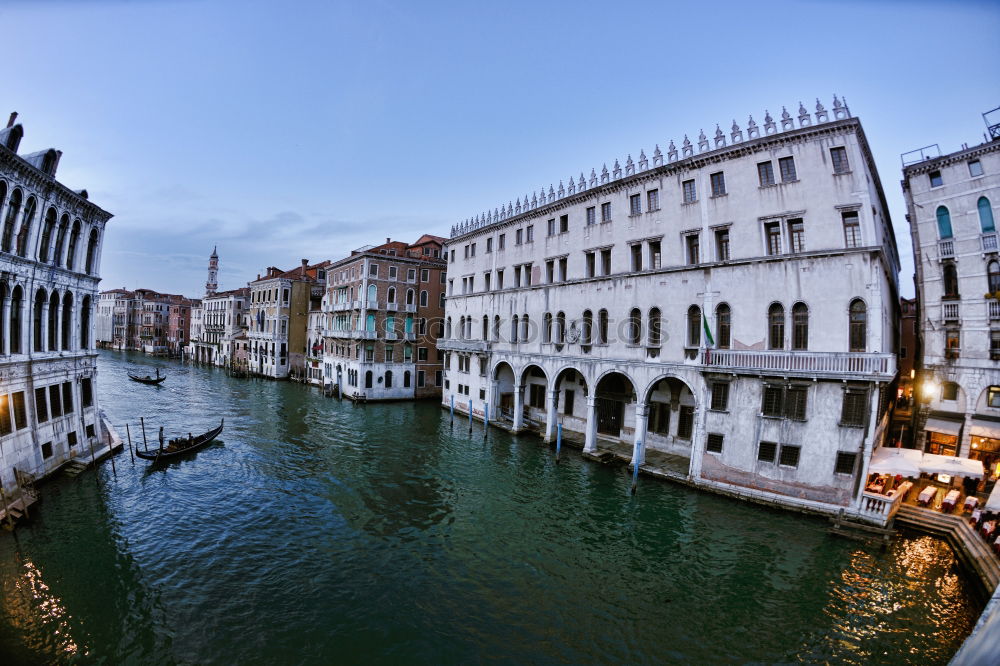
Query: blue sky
[[283, 131]]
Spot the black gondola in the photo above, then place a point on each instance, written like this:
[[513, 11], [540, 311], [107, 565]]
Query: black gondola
[[180, 446], [147, 379]]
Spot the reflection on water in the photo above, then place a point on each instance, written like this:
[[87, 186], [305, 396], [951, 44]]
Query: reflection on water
[[322, 532]]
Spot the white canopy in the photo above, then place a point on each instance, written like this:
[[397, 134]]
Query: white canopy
[[985, 429], [993, 501], [943, 426], [905, 462], [932, 463]]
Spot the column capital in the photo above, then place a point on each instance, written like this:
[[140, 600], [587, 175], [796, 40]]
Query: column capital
[[591, 400], [641, 408]]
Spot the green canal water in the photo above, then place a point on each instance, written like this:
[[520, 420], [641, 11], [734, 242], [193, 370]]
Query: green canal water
[[318, 532]]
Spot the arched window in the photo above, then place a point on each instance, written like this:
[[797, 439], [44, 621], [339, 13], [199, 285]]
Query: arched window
[[372, 293], [944, 222], [409, 297], [858, 325], [560, 328], [74, 239], [388, 378], [800, 326], [985, 215], [368, 379], [60, 240], [993, 276], [85, 324], [461, 328], [654, 327], [723, 326], [13, 208], [634, 326], [602, 327], [694, 326], [486, 328], [54, 322], [496, 328], [950, 274], [43, 244], [370, 322], [3, 305], [391, 295], [776, 326], [547, 327], [525, 322], [67, 321], [37, 337], [513, 329], [587, 334], [16, 312], [25, 232], [423, 298], [408, 324], [468, 328]]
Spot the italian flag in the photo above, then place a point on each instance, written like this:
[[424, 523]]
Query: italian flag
[[709, 340]]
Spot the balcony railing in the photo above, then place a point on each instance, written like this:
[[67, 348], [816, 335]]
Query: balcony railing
[[447, 344], [391, 336], [989, 242], [949, 311], [372, 305], [946, 249], [392, 307], [411, 307], [846, 363], [879, 508], [993, 307]]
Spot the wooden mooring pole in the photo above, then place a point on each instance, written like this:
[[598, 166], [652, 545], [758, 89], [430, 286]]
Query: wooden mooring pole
[[129, 433], [145, 444]]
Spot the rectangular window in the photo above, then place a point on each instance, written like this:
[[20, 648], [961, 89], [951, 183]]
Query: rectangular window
[[765, 172], [993, 396], [839, 157], [766, 451], [55, 401], [421, 378], [536, 396], [772, 236], [722, 244], [789, 455], [87, 397], [489, 245], [658, 420], [796, 235], [795, 402], [787, 167], [472, 250], [718, 184], [527, 275], [562, 269], [975, 168], [388, 354], [606, 211], [635, 205], [854, 407], [550, 271], [373, 270], [654, 254], [411, 275], [720, 396], [421, 353], [518, 235], [499, 278], [691, 243], [591, 263], [486, 280], [773, 404], [713, 444], [952, 343], [89, 429], [552, 227], [425, 274], [845, 463], [636, 257], [690, 194], [935, 178], [652, 200], [47, 450], [6, 427], [41, 406], [852, 229], [591, 215], [501, 241], [392, 272], [563, 223], [606, 262], [685, 421], [530, 234], [71, 439]]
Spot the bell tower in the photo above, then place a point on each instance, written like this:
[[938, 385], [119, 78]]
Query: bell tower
[[213, 274]]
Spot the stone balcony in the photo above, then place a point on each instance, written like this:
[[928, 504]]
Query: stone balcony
[[858, 365], [446, 344]]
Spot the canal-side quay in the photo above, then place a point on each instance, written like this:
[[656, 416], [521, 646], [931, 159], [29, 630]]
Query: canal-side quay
[[319, 530]]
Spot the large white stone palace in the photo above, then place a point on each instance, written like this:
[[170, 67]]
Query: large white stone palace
[[50, 252], [731, 305]]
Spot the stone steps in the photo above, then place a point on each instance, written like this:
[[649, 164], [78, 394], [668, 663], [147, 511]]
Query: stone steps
[[969, 547]]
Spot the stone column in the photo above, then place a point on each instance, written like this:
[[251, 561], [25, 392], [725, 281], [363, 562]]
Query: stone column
[[965, 442], [6, 324], [518, 408], [641, 414], [590, 434], [550, 414]]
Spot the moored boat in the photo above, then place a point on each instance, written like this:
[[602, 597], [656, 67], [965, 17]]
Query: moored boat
[[181, 445]]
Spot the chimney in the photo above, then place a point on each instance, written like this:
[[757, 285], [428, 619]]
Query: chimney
[[13, 117], [388, 240]]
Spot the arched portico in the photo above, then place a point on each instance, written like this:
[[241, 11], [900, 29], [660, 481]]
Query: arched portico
[[534, 385], [564, 401], [666, 417], [611, 408]]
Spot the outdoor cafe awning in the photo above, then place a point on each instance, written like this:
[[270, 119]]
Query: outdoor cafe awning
[[944, 427], [989, 429], [993, 501], [905, 462], [931, 463]]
